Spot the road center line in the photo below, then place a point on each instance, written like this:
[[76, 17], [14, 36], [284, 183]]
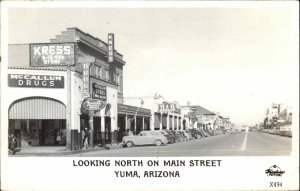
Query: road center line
[[243, 148]]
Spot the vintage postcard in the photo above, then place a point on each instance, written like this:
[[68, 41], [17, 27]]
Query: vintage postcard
[[149, 95]]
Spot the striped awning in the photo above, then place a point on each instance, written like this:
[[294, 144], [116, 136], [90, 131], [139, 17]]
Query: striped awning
[[37, 108]]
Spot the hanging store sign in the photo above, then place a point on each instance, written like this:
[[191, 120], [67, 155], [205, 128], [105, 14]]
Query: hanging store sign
[[111, 44], [92, 105], [99, 92], [52, 54], [86, 62], [168, 107], [35, 81], [86, 80]]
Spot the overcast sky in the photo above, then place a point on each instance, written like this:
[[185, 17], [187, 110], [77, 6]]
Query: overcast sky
[[235, 61]]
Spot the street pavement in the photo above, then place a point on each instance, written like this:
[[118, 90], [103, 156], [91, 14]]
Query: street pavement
[[241, 144]]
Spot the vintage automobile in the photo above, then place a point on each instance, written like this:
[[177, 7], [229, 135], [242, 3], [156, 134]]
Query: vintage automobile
[[145, 138], [170, 137]]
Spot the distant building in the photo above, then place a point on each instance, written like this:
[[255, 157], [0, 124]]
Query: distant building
[[205, 118], [164, 114]]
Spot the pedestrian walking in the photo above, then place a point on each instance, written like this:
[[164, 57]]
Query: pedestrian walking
[[82, 138], [12, 144]]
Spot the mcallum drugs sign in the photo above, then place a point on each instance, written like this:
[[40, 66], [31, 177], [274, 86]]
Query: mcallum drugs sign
[[52, 54], [35, 81]]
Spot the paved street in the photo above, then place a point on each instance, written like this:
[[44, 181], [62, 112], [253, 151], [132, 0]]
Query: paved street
[[242, 144]]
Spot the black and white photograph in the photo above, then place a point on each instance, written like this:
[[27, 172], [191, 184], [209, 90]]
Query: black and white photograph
[[134, 85]]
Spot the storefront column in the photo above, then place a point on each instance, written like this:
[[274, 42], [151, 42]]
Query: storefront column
[[114, 130], [173, 127], [181, 123], [91, 125], [152, 122], [126, 123], [134, 132], [160, 124], [168, 121], [143, 123], [102, 131]]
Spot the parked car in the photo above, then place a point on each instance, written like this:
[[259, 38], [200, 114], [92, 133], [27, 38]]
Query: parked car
[[177, 137], [170, 137], [180, 136], [145, 138], [186, 136], [189, 135], [172, 134]]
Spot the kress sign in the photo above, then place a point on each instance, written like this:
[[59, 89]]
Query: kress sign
[[52, 54]]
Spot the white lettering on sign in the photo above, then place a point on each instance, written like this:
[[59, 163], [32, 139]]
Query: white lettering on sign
[[86, 80], [52, 54], [51, 50], [110, 47], [27, 80]]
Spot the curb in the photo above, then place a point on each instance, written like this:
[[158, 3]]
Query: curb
[[62, 153]]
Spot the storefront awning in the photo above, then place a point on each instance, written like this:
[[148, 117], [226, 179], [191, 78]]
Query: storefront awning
[[37, 108]]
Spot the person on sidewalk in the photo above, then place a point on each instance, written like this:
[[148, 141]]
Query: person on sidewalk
[[86, 135], [12, 144], [82, 138]]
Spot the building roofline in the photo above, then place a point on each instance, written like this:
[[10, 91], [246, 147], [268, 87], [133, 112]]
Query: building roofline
[[95, 38], [35, 68]]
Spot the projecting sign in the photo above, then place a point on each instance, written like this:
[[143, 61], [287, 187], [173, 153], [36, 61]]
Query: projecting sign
[[52, 54], [111, 47], [168, 107], [92, 105], [86, 63], [86, 80], [35, 81], [99, 92]]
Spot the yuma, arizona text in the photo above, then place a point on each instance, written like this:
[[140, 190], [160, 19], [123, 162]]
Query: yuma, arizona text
[[147, 174]]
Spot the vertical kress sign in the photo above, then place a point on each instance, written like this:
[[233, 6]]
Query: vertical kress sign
[[111, 47]]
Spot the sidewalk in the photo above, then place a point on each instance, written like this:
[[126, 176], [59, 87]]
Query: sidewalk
[[59, 150]]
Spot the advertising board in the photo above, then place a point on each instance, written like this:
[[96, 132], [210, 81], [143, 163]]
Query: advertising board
[[52, 54], [99, 92], [35, 81]]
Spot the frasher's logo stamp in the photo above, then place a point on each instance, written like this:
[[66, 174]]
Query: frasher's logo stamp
[[274, 171]]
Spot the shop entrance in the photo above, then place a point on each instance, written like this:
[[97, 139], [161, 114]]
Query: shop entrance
[[97, 130], [107, 131], [39, 132], [121, 127], [38, 121]]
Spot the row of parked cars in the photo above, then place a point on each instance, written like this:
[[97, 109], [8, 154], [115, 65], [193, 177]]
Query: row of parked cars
[[286, 133], [163, 137]]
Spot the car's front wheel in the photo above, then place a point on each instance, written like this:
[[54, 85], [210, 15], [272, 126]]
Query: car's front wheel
[[158, 142], [129, 144]]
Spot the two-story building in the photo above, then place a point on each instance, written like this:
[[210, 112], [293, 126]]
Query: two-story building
[[57, 89]]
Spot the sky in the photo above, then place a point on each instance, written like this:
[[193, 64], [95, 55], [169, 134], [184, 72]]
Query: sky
[[234, 61]]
